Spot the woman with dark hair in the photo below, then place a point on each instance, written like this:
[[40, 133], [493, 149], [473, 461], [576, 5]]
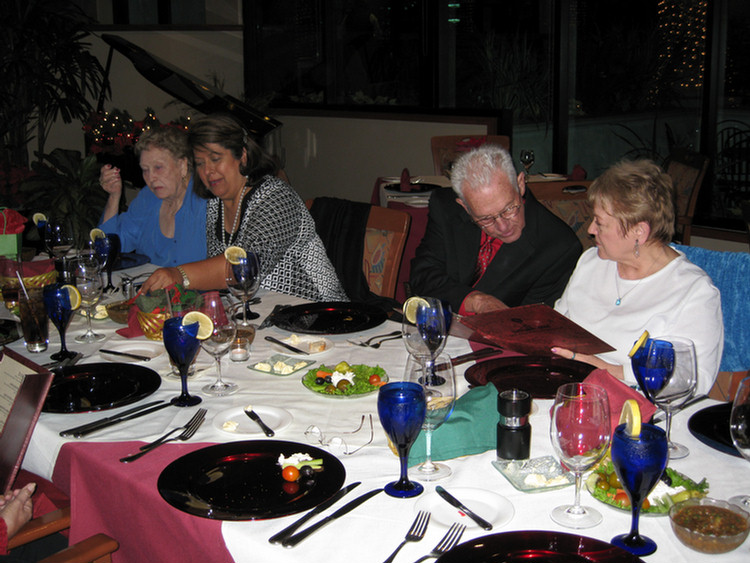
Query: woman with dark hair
[[251, 208], [167, 220], [633, 280]]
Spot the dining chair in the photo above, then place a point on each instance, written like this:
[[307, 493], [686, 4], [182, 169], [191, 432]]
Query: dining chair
[[95, 549], [568, 200], [687, 170], [730, 272], [446, 148], [383, 242]]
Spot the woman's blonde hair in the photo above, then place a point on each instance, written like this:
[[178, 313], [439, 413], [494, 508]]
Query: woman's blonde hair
[[171, 139], [635, 191]]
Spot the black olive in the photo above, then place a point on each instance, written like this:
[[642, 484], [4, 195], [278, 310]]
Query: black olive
[[306, 472], [320, 381], [329, 379]]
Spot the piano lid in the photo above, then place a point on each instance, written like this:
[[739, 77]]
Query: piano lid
[[191, 90]]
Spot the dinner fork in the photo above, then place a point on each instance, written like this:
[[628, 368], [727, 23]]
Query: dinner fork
[[367, 343], [188, 431], [449, 541], [415, 533]]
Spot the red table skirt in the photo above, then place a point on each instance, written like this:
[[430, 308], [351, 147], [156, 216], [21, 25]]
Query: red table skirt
[[122, 501]]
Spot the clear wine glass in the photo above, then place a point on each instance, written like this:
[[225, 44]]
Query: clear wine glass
[[58, 239], [639, 462], [401, 407], [182, 346], [580, 432], [425, 328], [89, 284], [666, 371], [527, 159], [57, 303], [219, 342], [243, 280], [108, 250], [440, 396], [739, 428]]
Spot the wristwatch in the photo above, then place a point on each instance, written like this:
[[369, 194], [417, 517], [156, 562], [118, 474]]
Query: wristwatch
[[185, 279]]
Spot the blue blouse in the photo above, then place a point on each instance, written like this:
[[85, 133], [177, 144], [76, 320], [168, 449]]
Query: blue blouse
[[139, 231]]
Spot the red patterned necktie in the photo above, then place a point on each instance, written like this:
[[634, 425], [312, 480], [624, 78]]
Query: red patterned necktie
[[483, 259]]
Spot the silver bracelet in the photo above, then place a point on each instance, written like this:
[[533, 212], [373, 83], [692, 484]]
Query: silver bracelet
[[185, 279]]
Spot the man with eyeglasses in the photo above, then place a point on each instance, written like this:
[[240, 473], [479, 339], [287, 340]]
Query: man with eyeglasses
[[495, 246]]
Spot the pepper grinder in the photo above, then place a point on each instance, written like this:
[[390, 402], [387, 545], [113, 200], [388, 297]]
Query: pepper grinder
[[513, 428]]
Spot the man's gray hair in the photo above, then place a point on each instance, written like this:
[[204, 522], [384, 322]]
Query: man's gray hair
[[480, 167]]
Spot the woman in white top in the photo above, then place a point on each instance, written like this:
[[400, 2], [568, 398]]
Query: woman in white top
[[634, 281]]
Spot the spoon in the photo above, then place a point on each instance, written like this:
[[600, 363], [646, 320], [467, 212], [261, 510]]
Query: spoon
[[254, 416]]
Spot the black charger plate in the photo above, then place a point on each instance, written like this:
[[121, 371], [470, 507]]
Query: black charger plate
[[242, 481], [99, 386], [332, 317], [711, 426]]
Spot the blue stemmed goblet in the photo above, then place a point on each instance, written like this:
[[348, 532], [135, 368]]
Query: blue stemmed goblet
[[639, 462], [243, 280], [401, 407], [108, 250], [57, 303], [665, 369], [182, 346]]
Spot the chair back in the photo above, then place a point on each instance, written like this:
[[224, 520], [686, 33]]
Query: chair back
[[732, 168], [447, 148], [730, 273], [568, 200], [384, 240], [687, 170]]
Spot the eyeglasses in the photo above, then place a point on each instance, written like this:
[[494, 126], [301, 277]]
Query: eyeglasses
[[337, 443], [508, 213]]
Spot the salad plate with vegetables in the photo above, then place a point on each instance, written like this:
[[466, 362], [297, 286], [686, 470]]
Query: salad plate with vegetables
[[673, 487], [344, 380]]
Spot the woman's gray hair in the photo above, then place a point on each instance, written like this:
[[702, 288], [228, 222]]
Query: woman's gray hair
[[480, 167]]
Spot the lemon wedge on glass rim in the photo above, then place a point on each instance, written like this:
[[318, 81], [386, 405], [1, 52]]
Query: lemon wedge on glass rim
[[74, 295], [96, 233], [38, 217], [630, 416], [411, 306], [205, 324], [234, 254], [638, 344]]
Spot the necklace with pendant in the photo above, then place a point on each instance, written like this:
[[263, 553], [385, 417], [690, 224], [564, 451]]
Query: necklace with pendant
[[619, 299], [227, 238]]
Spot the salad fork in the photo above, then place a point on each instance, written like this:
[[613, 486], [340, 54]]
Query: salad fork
[[367, 343], [415, 533], [449, 541], [188, 431]]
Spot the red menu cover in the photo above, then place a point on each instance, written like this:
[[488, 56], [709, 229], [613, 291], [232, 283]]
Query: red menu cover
[[23, 389], [531, 330]]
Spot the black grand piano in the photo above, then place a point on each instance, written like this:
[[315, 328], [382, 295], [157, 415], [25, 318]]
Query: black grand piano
[[188, 89]]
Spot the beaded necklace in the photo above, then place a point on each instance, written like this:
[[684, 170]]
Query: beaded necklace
[[224, 238]]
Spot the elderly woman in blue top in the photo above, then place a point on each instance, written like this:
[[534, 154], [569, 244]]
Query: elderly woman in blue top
[[167, 221]]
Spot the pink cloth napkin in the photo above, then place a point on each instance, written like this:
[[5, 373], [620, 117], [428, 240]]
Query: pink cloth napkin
[[618, 392], [123, 501], [133, 330]]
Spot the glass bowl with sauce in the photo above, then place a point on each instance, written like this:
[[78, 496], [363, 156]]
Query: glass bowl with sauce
[[709, 525]]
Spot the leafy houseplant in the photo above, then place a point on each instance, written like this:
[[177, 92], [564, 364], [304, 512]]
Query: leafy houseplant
[[66, 188]]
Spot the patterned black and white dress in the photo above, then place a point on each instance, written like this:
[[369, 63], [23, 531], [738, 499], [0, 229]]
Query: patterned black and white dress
[[278, 227]]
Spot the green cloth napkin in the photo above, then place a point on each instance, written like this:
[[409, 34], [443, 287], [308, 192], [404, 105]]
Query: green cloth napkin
[[471, 428]]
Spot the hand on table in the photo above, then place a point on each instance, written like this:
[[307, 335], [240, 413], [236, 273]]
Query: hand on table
[[161, 278], [613, 369]]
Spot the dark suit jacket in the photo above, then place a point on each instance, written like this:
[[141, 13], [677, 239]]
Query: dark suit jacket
[[533, 269]]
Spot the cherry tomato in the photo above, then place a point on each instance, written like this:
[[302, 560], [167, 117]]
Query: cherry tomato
[[646, 505], [374, 379], [290, 473], [290, 488], [622, 497]]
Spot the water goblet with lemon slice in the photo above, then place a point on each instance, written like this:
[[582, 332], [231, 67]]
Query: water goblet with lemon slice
[[639, 456], [242, 277], [182, 339], [60, 301], [217, 344], [425, 328]]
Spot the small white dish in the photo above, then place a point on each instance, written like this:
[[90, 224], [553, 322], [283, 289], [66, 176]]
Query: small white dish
[[303, 342], [494, 508], [148, 349], [276, 418]]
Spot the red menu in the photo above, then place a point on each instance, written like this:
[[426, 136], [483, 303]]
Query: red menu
[[531, 330]]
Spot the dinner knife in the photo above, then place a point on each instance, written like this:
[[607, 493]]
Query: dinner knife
[[289, 530], [462, 507], [287, 346], [86, 429], [348, 507], [126, 355], [256, 417]]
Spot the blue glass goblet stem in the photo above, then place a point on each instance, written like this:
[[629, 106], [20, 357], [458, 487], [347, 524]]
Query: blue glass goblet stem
[[639, 462], [401, 407], [57, 303], [182, 346]]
